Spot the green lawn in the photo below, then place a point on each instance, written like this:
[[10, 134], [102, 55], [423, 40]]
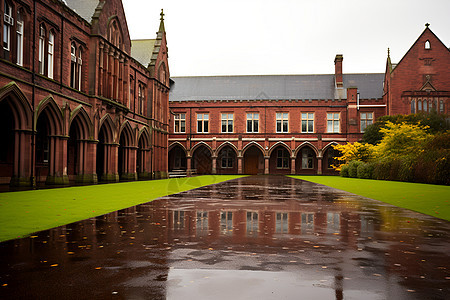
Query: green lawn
[[433, 200], [25, 212]]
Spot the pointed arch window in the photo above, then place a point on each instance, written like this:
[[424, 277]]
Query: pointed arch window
[[73, 65], [307, 158], [427, 45], [19, 37], [114, 34], [419, 105], [41, 56], [425, 105], [50, 51], [413, 106], [79, 67], [8, 22]]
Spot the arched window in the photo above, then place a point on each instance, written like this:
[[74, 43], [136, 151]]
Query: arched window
[[419, 105], [79, 67], [19, 33], [73, 65], [441, 106], [50, 51], [413, 106], [114, 34], [227, 158], [427, 45], [307, 158], [41, 49], [141, 98], [8, 22], [425, 105], [162, 74]]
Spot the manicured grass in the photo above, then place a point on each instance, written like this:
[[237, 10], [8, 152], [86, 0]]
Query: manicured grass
[[433, 200], [25, 212]]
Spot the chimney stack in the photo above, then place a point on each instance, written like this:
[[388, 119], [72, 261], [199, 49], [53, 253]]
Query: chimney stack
[[338, 71]]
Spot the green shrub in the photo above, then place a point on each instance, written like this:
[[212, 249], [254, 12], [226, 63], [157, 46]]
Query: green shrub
[[344, 171], [365, 170], [406, 169], [353, 168]]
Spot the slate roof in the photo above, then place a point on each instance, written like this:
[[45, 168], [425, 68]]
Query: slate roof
[[84, 8], [142, 50], [272, 87]]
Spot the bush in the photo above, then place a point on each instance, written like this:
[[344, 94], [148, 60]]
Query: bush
[[406, 170], [344, 171], [365, 170], [353, 168]]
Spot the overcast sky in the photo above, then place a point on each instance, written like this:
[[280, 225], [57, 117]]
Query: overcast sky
[[251, 37]]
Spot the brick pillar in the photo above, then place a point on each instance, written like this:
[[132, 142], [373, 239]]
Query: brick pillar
[[266, 164], [188, 166], [292, 165], [214, 165], [239, 164], [319, 165]]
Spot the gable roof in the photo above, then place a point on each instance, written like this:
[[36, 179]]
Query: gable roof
[[84, 8], [142, 51], [272, 87]]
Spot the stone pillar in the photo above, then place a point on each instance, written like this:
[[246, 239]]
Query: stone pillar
[[319, 165], [101, 68], [266, 164], [22, 159], [293, 165], [106, 71], [188, 165], [57, 173], [214, 165], [239, 164]]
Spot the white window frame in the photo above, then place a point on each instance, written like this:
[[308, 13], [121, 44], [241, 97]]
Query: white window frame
[[50, 51], [73, 65], [79, 68], [8, 22], [307, 123], [227, 121], [252, 122], [333, 122], [282, 122], [307, 158], [202, 120], [179, 123], [366, 119], [19, 35], [41, 57]]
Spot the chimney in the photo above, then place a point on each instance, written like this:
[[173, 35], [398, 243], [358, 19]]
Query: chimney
[[338, 71]]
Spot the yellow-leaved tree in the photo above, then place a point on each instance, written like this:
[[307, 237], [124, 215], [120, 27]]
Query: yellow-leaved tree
[[353, 151]]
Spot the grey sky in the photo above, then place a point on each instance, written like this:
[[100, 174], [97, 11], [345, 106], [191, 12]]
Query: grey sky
[[251, 37]]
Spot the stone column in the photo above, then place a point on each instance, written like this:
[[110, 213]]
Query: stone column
[[101, 68], [239, 164], [214, 165], [188, 165], [319, 165], [293, 165], [266, 164]]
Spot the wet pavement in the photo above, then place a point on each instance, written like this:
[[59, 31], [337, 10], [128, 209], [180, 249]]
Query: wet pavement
[[259, 237]]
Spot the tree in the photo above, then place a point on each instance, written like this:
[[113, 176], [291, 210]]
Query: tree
[[353, 151]]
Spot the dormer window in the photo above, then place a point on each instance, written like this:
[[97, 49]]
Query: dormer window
[[427, 45]]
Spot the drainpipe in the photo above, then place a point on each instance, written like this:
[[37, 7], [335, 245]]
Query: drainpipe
[[33, 78]]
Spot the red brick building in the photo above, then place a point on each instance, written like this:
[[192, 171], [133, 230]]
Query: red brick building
[[287, 124], [80, 101]]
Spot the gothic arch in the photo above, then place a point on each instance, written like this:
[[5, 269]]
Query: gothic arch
[[85, 121], [283, 144], [306, 144], [109, 128], [328, 146], [19, 104], [224, 144], [257, 145], [174, 144], [54, 114], [196, 146], [145, 135], [162, 73], [129, 135]]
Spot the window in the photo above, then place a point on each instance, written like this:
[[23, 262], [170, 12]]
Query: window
[[427, 45], [19, 33], [41, 49], [441, 106], [202, 123], [141, 98], [413, 106], [307, 158], [281, 224], [8, 22], [178, 219], [333, 122], [51, 42], [419, 105], [252, 223], [366, 120], [425, 105], [227, 122], [307, 122], [333, 222], [202, 223], [80, 63], [252, 122], [226, 222], [282, 122], [307, 225], [73, 65], [227, 158], [180, 123], [282, 159]]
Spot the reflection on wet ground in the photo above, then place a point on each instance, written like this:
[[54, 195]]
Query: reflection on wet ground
[[266, 237]]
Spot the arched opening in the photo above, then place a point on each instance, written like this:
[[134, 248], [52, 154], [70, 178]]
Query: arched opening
[[105, 156], [125, 155], [7, 137], [253, 161], [73, 151], [143, 157], [42, 147], [177, 159], [201, 160], [306, 161], [280, 161], [226, 161], [329, 159]]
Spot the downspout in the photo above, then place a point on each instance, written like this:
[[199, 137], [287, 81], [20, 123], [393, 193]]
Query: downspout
[[33, 79]]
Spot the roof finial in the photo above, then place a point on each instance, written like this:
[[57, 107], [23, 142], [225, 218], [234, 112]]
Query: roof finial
[[427, 24], [389, 52], [162, 14]]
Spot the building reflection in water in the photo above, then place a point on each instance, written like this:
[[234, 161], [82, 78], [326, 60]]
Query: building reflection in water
[[328, 239]]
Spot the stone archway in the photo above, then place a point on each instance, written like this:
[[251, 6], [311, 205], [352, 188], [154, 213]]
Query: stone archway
[[280, 160], [226, 162], [7, 153], [106, 163], [202, 160], [253, 161], [306, 161], [177, 158]]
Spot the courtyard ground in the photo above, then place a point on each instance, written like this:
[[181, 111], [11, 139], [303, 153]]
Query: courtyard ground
[[430, 199], [25, 212]]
